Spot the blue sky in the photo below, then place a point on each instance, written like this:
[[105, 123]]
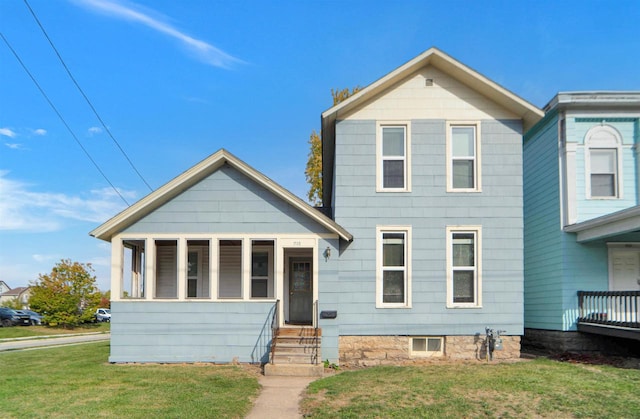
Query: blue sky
[[176, 81]]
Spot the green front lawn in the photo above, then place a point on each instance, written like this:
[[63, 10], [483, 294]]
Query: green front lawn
[[35, 331], [77, 381], [539, 388]]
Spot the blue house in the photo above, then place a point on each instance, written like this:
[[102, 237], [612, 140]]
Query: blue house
[[582, 222], [418, 249]]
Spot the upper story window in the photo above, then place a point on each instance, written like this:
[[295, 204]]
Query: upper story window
[[603, 162], [393, 158], [463, 157]]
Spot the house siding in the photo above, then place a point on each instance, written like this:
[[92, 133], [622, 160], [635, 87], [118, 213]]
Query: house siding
[[190, 331], [429, 209], [226, 202], [542, 228], [556, 265]]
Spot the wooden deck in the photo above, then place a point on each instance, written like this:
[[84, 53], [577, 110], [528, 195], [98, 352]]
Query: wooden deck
[[610, 313]]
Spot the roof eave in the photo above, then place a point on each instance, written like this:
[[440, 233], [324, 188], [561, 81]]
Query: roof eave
[[194, 175], [620, 222], [529, 113]]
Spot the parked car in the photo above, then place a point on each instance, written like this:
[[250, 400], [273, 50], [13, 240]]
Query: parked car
[[9, 317], [103, 315], [36, 318]]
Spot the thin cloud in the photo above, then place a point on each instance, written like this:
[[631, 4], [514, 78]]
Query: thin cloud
[[40, 132], [201, 49], [23, 209], [14, 146], [94, 131], [45, 258], [7, 132]]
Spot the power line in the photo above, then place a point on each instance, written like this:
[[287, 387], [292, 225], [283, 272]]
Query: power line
[[85, 96], [15, 54]]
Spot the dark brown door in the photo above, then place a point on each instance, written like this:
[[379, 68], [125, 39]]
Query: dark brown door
[[300, 291]]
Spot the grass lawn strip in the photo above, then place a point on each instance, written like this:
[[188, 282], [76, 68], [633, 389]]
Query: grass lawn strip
[[77, 381], [44, 332], [539, 388]]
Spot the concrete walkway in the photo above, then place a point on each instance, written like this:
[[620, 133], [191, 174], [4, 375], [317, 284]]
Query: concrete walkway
[[48, 341], [279, 397]]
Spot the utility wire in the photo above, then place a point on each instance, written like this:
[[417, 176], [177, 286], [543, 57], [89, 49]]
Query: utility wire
[[85, 96], [15, 54]]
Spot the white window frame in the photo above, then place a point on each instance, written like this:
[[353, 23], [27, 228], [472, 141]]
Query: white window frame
[[477, 232], [201, 251], [613, 142], [476, 158], [270, 277], [406, 230], [426, 353], [380, 158]]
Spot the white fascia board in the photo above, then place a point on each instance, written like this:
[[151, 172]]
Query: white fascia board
[[194, 175], [620, 222], [466, 75]]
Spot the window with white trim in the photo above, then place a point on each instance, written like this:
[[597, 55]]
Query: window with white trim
[[166, 285], [463, 155], [393, 161], [230, 269], [602, 163], [393, 277], [463, 266], [134, 268], [197, 268], [604, 173], [262, 268], [426, 346]]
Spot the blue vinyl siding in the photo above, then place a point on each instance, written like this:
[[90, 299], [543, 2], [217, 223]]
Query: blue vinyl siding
[[428, 209], [190, 331], [556, 266], [226, 202], [542, 233]]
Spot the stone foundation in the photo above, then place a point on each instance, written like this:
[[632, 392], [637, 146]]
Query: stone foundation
[[366, 351], [554, 341]]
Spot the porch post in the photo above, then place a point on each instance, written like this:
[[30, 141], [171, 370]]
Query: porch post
[[150, 275], [181, 255], [278, 282], [116, 268]]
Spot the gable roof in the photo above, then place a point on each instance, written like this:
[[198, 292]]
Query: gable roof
[[15, 291], [195, 174], [529, 113]]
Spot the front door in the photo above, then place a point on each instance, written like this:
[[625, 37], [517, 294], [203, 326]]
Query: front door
[[626, 270], [300, 291]]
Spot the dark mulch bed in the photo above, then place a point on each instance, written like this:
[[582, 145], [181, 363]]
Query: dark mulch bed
[[597, 359]]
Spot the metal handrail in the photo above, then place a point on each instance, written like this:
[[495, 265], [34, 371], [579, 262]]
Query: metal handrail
[[610, 308], [316, 321], [275, 325]]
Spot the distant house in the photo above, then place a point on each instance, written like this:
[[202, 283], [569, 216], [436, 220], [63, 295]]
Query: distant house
[[420, 251], [21, 294], [582, 221], [4, 287]]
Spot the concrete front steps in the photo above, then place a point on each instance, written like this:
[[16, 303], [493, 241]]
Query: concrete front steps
[[296, 353]]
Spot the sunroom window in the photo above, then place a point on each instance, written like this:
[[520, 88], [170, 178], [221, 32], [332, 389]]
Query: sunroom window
[[230, 269]]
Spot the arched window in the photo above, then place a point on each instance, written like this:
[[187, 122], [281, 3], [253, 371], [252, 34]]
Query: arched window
[[603, 163]]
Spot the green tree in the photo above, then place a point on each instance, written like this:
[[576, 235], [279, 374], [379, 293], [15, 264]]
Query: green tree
[[67, 296], [313, 171], [14, 303]]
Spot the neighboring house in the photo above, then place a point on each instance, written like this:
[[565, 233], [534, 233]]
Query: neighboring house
[[4, 287], [422, 248], [21, 294], [582, 221]]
